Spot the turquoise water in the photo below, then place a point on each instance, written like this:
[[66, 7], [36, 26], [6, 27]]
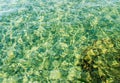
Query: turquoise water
[[59, 41]]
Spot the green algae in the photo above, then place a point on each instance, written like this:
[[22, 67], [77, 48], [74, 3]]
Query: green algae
[[60, 42]]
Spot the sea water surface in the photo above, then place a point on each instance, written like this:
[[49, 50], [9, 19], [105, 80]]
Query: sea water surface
[[59, 41]]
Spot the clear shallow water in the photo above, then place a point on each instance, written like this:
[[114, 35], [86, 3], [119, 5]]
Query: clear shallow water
[[8, 6], [59, 41]]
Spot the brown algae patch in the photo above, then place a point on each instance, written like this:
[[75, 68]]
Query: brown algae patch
[[101, 61]]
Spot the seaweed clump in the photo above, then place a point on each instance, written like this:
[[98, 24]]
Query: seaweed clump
[[100, 62]]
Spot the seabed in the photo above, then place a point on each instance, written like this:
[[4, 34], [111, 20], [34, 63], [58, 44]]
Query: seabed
[[52, 41]]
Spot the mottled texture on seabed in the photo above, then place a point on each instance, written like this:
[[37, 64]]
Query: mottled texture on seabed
[[67, 41]]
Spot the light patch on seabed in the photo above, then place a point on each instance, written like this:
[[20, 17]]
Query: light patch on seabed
[[10, 6]]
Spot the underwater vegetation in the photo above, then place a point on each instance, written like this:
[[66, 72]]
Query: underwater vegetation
[[67, 41], [101, 61]]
